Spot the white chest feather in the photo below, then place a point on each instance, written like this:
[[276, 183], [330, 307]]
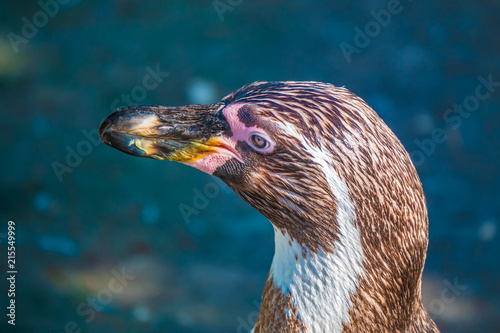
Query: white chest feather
[[321, 284]]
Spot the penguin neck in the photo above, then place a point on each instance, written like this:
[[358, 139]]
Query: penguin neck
[[310, 288], [313, 292], [308, 291]]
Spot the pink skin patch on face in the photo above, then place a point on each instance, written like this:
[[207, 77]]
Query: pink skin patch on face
[[226, 146], [241, 132], [223, 150], [209, 163]]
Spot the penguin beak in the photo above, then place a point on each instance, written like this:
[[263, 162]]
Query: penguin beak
[[183, 134]]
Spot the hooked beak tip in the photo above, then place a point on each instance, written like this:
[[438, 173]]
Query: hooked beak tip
[[129, 131]]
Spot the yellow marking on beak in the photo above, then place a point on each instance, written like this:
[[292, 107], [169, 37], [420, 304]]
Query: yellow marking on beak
[[193, 152], [197, 150]]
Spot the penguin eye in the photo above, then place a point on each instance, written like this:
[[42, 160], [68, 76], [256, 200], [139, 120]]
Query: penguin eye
[[258, 141]]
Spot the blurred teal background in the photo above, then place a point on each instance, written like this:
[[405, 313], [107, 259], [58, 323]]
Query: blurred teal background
[[86, 213]]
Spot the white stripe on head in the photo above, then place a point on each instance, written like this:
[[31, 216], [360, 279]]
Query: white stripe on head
[[321, 284]]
